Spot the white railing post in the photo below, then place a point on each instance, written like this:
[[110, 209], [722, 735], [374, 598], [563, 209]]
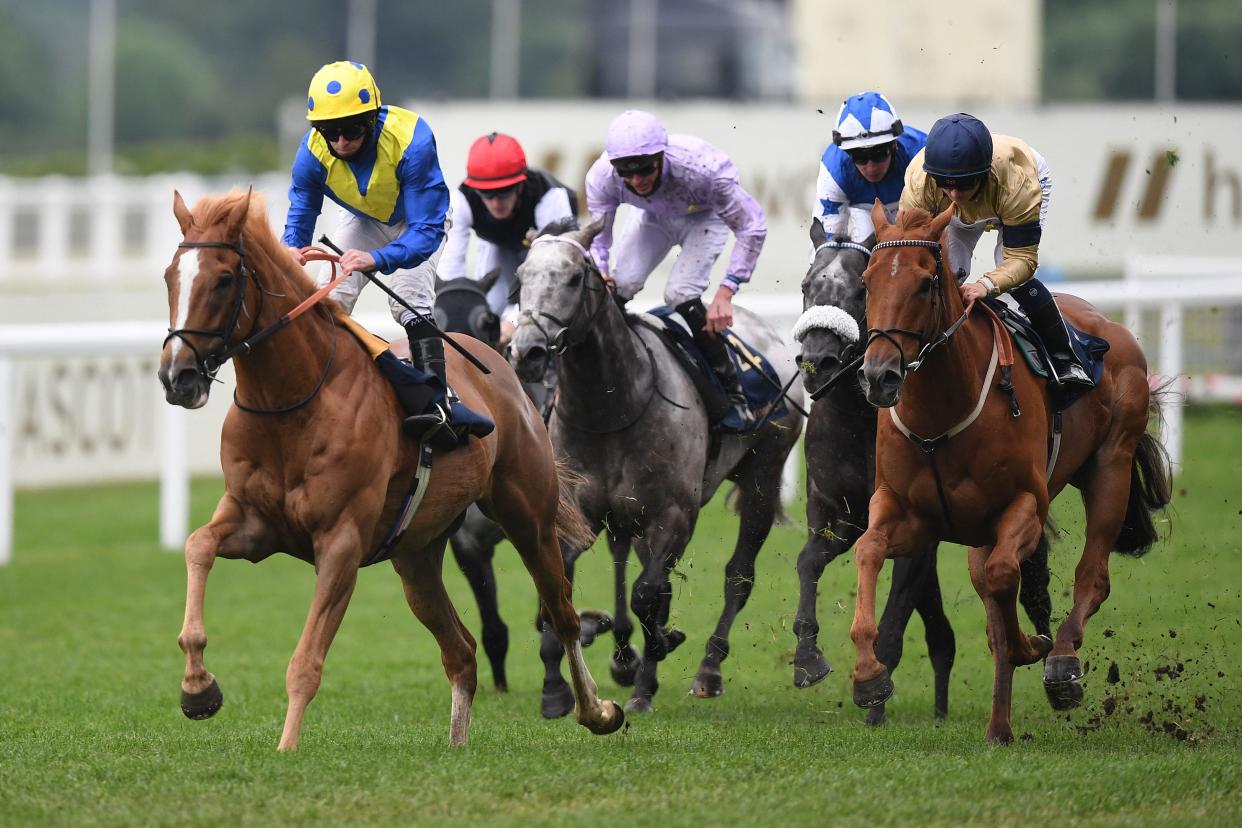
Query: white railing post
[[7, 213], [7, 424], [1171, 369], [105, 208], [53, 249], [174, 478]]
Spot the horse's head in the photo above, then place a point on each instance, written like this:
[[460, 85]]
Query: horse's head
[[208, 283], [461, 307], [908, 298], [562, 293], [834, 305]]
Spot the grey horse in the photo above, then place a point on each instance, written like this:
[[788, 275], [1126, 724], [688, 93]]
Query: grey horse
[[630, 420], [840, 463]]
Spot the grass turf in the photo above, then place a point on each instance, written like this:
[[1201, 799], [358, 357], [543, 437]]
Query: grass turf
[[91, 733]]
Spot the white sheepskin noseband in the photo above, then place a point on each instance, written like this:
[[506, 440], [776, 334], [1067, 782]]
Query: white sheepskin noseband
[[826, 316]]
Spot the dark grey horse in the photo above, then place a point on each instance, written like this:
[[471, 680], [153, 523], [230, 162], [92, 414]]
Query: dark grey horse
[[629, 419], [461, 307], [840, 476]]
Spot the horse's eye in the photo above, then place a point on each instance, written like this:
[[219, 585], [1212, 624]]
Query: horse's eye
[[575, 279], [225, 280], [925, 285]]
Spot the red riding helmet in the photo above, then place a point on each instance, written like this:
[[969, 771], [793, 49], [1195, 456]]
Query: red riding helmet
[[496, 161]]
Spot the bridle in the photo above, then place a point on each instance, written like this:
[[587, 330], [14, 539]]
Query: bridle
[[563, 336], [937, 294], [209, 365]]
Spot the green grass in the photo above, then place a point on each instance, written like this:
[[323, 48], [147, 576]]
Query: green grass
[[91, 733]]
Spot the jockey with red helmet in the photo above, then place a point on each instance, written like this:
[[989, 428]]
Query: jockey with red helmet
[[379, 163], [502, 199], [993, 182], [687, 194]]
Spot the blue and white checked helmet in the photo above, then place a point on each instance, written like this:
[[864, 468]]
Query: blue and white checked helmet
[[866, 119]]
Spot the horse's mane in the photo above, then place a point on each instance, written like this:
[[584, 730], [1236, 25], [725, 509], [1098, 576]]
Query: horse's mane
[[266, 253], [914, 218]]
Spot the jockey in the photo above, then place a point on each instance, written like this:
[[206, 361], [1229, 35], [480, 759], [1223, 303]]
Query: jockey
[[687, 194], [994, 181], [380, 164], [866, 160], [501, 200]]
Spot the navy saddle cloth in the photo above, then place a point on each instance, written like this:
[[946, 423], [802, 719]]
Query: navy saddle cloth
[[1089, 349], [759, 392], [400, 372]]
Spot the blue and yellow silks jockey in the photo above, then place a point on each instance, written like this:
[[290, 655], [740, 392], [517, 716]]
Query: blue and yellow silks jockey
[[379, 163]]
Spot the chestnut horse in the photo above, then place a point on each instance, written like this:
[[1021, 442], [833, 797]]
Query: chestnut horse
[[316, 466], [967, 470]]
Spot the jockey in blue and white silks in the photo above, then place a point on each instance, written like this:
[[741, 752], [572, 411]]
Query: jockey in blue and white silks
[[866, 160]]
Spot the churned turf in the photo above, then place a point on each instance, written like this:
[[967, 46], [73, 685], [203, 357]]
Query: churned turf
[[91, 733]]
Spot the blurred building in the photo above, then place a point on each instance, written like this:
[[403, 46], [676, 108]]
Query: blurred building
[[950, 52]]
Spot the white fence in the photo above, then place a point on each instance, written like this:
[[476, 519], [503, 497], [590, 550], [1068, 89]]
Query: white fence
[[1171, 295]]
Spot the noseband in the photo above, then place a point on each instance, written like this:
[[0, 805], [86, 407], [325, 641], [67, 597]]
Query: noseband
[[562, 337]]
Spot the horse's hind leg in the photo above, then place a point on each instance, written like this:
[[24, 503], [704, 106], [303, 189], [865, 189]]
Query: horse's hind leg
[[474, 546], [758, 500], [557, 697], [1105, 495], [625, 660], [422, 577], [938, 633], [336, 573], [667, 533]]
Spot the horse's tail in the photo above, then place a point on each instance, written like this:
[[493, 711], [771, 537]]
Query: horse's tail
[[1151, 485], [571, 524]]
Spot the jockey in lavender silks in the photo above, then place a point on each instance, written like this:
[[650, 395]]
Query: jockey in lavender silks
[[688, 195]]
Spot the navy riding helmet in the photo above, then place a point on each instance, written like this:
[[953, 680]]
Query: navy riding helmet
[[958, 146]]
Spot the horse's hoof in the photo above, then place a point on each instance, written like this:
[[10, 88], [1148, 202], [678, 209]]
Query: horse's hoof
[[592, 623], [624, 665], [810, 670], [875, 715], [708, 684], [502, 686], [203, 704], [557, 701], [1063, 682], [675, 639], [610, 724], [1000, 736], [873, 692], [639, 704]]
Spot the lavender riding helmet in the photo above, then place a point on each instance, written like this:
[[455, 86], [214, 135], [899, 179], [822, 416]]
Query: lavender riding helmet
[[635, 132]]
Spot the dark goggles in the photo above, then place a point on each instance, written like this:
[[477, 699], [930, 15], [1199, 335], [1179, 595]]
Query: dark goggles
[[878, 152], [637, 166], [503, 192], [349, 130], [946, 182]]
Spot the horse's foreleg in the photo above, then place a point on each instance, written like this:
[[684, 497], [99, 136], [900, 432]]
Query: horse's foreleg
[[822, 547], [200, 695], [661, 546], [909, 580], [625, 659], [422, 578], [1105, 496], [872, 685], [336, 572], [757, 508], [999, 729]]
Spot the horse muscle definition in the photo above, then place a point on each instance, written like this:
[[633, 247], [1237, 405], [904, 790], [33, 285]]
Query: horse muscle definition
[[984, 480], [840, 463], [630, 420], [315, 464]]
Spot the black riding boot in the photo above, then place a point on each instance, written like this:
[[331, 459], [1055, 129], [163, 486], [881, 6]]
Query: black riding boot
[[1051, 327], [435, 424], [717, 353]]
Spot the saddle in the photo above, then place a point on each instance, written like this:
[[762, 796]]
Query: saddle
[[1089, 349], [763, 396]]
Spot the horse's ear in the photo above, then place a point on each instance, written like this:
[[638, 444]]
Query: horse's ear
[[237, 216], [879, 216], [587, 234], [489, 279], [182, 213], [818, 235], [941, 221]]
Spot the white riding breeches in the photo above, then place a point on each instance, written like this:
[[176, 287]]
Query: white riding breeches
[[416, 285], [645, 242]]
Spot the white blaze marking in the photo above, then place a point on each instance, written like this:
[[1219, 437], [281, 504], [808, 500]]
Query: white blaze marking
[[894, 271], [187, 270]]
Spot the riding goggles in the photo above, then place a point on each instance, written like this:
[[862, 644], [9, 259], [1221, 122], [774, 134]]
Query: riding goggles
[[863, 155], [503, 192], [636, 166], [349, 130], [945, 182]]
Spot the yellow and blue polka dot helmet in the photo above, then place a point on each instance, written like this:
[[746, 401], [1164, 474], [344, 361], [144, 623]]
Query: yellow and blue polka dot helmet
[[340, 90]]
